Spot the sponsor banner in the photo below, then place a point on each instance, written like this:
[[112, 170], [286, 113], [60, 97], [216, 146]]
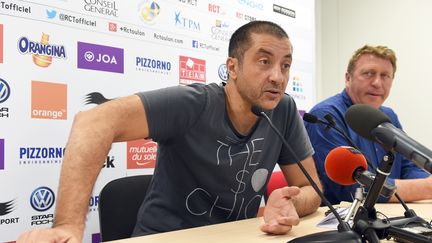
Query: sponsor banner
[[99, 57], [141, 154], [192, 70], [1, 43], [284, 11], [42, 51], [49, 100], [2, 154], [104, 8]]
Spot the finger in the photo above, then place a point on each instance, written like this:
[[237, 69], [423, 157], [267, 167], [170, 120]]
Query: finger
[[288, 221], [290, 191], [275, 229]]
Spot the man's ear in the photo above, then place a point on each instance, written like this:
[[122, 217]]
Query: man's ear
[[232, 67], [347, 78]]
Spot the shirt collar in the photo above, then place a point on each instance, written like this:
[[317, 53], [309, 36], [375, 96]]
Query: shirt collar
[[346, 99]]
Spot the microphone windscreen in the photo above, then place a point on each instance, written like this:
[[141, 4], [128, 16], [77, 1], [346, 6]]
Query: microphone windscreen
[[341, 163], [364, 118], [307, 117]]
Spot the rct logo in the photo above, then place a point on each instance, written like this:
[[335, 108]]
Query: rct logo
[[42, 199], [4, 90]]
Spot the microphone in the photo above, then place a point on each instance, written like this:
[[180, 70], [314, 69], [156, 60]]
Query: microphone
[[330, 123], [374, 125], [330, 120], [346, 166], [344, 232]]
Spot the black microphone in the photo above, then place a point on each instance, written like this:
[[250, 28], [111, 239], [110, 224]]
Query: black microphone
[[374, 125], [330, 123], [363, 177], [330, 120], [344, 232]]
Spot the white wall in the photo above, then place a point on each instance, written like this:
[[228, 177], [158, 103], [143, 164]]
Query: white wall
[[346, 25]]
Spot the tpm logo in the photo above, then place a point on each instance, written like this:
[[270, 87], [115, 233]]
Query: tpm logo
[[186, 23], [99, 57], [192, 70], [42, 199], [49, 100]]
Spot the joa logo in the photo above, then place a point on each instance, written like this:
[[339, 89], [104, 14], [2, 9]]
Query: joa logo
[[100, 57], [42, 199]]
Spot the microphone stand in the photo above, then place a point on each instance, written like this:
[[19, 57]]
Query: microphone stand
[[409, 215], [366, 222], [344, 232], [367, 214], [358, 199]]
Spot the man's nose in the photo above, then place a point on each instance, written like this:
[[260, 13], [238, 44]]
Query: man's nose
[[276, 75], [377, 80]]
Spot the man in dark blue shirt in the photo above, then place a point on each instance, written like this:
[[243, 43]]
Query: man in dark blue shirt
[[368, 80]]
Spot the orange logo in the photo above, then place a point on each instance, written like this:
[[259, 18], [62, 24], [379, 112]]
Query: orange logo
[[49, 100], [141, 154], [1, 43]]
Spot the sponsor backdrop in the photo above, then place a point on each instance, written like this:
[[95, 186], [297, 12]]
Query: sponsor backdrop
[[59, 57]]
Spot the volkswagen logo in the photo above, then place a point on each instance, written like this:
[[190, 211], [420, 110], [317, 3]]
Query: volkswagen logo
[[223, 73], [42, 199], [4, 91]]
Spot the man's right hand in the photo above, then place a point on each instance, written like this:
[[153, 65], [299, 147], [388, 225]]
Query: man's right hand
[[49, 235]]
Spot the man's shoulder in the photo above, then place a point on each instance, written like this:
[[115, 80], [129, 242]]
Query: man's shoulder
[[329, 104], [390, 113]]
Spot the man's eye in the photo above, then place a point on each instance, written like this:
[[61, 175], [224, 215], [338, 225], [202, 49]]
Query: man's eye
[[264, 61], [385, 76], [369, 74]]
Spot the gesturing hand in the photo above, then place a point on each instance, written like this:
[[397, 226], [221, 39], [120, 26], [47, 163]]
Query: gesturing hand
[[280, 214]]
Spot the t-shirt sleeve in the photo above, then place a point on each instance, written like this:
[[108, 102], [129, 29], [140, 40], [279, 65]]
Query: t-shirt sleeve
[[172, 111], [296, 136]]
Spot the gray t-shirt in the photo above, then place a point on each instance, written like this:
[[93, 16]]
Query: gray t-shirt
[[206, 172]]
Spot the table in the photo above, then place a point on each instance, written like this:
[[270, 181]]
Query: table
[[248, 230]]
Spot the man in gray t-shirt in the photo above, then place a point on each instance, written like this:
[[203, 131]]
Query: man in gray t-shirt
[[215, 156], [222, 173]]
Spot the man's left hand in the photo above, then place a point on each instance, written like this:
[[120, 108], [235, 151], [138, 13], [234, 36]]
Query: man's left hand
[[280, 214]]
